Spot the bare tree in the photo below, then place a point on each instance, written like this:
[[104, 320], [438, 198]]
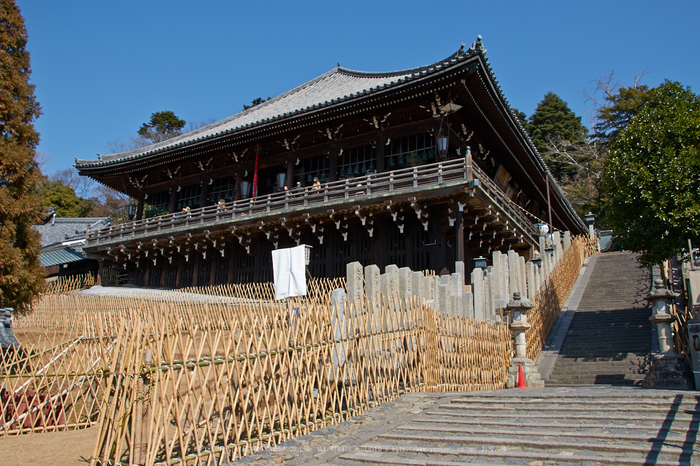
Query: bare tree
[[584, 159], [193, 125], [82, 185], [110, 203]]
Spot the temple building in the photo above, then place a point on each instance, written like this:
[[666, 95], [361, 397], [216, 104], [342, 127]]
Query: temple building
[[419, 168]]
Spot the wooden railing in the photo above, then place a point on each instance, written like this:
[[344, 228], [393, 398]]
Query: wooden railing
[[349, 190]]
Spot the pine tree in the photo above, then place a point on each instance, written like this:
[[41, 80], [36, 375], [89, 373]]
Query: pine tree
[[21, 274], [163, 125], [618, 111], [552, 126]]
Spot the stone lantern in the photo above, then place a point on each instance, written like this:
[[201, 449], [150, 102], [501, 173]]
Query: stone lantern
[[659, 300], [590, 221], [517, 308], [667, 369]]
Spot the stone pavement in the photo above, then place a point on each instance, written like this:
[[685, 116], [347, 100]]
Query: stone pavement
[[553, 426]]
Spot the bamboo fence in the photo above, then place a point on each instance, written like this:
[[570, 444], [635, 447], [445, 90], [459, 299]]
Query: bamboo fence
[[69, 283], [54, 381], [553, 293], [177, 380], [211, 396]]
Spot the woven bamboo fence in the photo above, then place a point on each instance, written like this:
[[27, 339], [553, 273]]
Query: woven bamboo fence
[[317, 288], [69, 283], [54, 381], [179, 381], [552, 295], [210, 396]]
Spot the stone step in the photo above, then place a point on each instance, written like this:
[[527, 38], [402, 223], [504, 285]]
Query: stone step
[[594, 380], [449, 448], [684, 426], [598, 369], [566, 362], [575, 434], [486, 455], [586, 412], [565, 402]]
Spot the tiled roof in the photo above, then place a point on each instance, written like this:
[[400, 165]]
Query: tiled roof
[[58, 230], [59, 257], [337, 85]]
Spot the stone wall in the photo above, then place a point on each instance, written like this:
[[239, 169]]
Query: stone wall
[[482, 297]]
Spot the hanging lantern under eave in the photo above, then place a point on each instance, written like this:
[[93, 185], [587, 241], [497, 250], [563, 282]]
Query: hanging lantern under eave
[[443, 144]]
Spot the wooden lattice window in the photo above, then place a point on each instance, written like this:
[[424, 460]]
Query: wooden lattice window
[[157, 204], [223, 188], [315, 166], [410, 151], [357, 161], [189, 196]]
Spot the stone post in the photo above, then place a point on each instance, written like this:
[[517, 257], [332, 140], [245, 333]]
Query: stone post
[[417, 285], [372, 281], [355, 281], [556, 244], [477, 281], [531, 281], [517, 308], [405, 282]]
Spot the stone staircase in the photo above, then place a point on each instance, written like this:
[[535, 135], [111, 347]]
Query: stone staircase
[[592, 426], [609, 339]]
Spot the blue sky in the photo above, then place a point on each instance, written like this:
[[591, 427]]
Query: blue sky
[[102, 68]]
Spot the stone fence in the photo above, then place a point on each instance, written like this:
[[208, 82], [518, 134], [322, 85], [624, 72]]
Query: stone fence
[[487, 293]]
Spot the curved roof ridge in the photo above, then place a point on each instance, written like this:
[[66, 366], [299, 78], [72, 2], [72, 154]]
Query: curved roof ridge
[[414, 70]]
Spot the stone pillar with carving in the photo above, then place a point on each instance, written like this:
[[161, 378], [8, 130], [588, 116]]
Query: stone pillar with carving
[[517, 309]]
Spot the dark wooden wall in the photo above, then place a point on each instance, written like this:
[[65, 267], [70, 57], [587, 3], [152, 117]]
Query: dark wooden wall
[[416, 248]]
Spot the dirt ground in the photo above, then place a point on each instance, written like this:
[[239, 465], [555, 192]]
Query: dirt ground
[[67, 448]]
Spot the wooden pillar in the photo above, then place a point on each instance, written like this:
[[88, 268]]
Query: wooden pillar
[[173, 199], [141, 201], [239, 178], [333, 165], [289, 177], [204, 195], [100, 268], [380, 143], [459, 229], [468, 160], [437, 121]]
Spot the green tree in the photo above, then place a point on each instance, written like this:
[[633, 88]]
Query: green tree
[[63, 198], [163, 125], [21, 274], [254, 102], [553, 123], [652, 175]]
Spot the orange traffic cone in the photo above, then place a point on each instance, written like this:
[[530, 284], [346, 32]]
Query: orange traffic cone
[[521, 377]]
